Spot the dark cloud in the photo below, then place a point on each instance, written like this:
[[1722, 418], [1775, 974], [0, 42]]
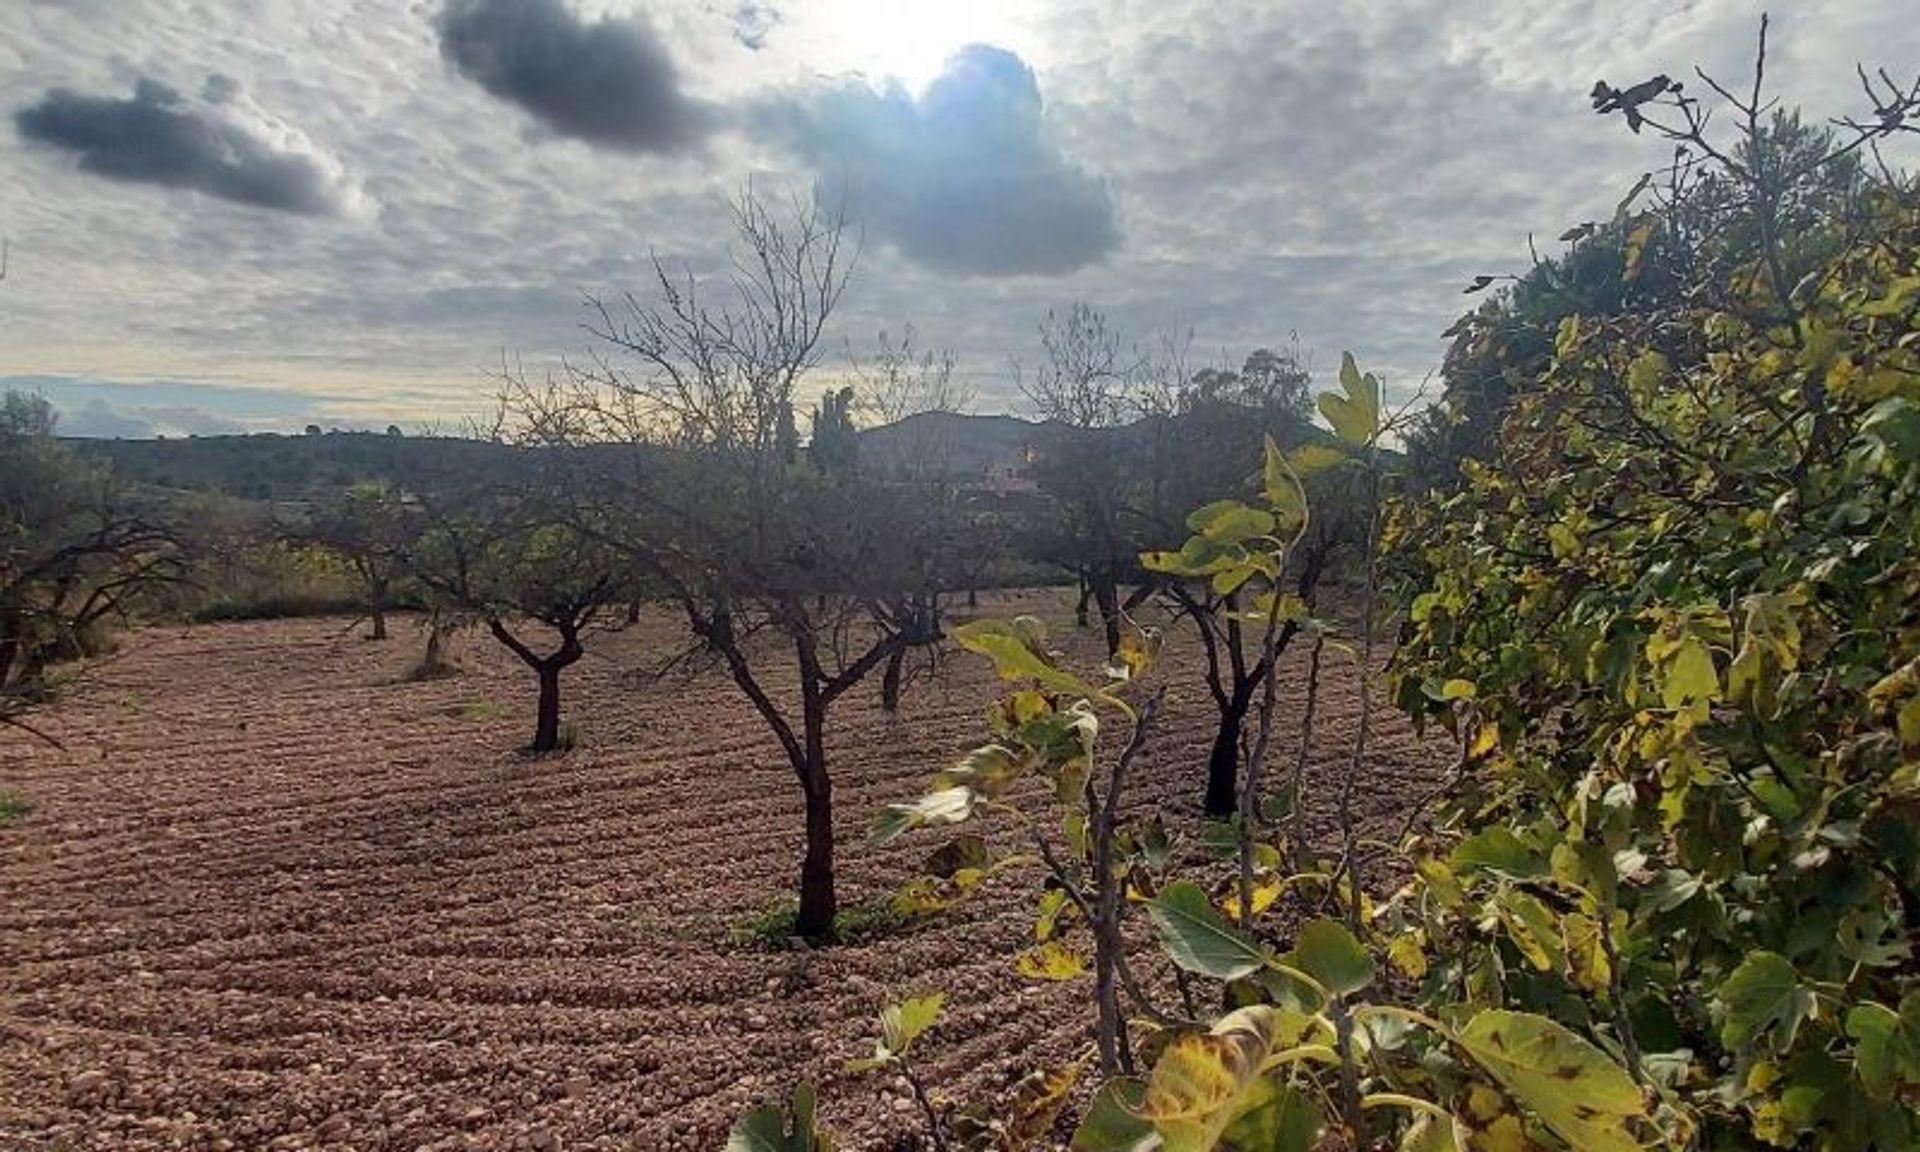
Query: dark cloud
[[218, 144], [963, 178], [610, 83]]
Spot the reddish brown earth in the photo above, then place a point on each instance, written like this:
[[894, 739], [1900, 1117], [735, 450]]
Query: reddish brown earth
[[269, 896]]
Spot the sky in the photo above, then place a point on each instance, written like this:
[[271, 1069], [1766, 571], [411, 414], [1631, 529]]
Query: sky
[[228, 216]]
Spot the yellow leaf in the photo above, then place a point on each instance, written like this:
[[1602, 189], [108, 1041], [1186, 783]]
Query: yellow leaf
[[1690, 681], [1310, 458], [1203, 1081], [1408, 955], [1052, 960], [1586, 955], [1355, 417], [1281, 490], [1584, 1097], [1532, 929]]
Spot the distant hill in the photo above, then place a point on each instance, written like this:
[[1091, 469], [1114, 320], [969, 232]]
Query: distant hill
[[269, 466], [995, 451], [949, 445]]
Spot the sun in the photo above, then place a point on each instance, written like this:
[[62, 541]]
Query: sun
[[910, 40]]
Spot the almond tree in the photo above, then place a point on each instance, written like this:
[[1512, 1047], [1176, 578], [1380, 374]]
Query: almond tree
[[370, 527], [522, 570], [781, 571], [75, 550]]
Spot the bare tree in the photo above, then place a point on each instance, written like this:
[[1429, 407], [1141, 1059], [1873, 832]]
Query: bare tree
[[1086, 386], [902, 379], [772, 565], [1088, 373]]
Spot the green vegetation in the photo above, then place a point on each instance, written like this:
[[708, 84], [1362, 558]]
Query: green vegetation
[[1660, 573], [1674, 621], [1654, 563], [77, 551], [13, 806], [857, 923]]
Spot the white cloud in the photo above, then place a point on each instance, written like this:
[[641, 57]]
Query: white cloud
[[1339, 169]]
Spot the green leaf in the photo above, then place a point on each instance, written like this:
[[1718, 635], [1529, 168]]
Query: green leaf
[[1286, 1121], [1015, 651], [1111, 1124], [1887, 1044], [1308, 459], [1063, 742], [1355, 417], [1763, 997], [1497, 848], [901, 1024], [765, 1129], [1326, 951], [1230, 522], [1429, 1133], [1573, 1087], [1532, 928], [1196, 937]]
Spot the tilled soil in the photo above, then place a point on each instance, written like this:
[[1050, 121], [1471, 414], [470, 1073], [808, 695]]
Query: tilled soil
[[272, 896]]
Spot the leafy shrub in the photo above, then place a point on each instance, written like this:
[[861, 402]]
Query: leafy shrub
[[1674, 621]]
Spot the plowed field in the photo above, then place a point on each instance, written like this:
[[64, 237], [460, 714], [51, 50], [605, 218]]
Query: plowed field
[[271, 896]]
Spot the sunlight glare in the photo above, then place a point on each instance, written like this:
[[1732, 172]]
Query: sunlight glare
[[910, 40]]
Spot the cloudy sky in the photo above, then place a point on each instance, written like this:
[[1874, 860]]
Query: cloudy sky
[[225, 214]]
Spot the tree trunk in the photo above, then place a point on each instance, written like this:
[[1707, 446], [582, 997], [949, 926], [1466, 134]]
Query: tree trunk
[[819, 905], [546, 731], [1106, 595], [377, 607], [1080, 608], [633, 610], [890, 681], [1223, 763], [435, 658]]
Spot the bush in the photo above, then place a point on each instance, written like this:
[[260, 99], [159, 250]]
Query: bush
[[1674, 622]]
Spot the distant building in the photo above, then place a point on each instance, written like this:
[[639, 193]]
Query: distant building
[[1007, 477]]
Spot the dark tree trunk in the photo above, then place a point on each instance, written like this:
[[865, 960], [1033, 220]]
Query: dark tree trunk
[[1223, 763], [1106, 595], [633, 610], [546, 730], [1080, 608], [973, 598], [377, 607], [890, 681], [818, 903]]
